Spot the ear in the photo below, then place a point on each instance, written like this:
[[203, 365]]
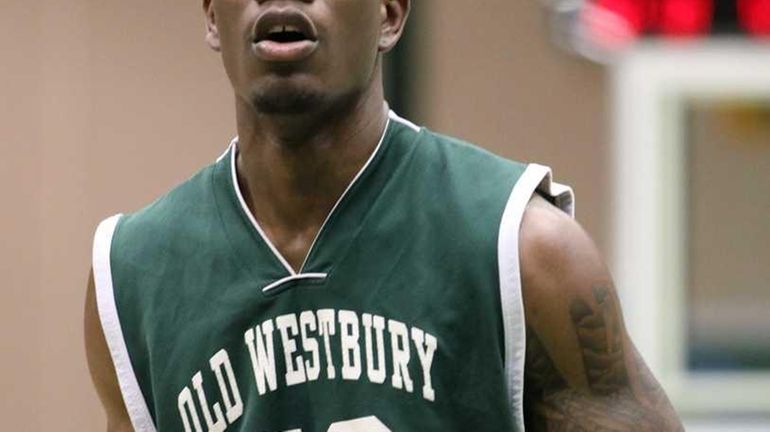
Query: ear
[[212, 33], [394, 15]]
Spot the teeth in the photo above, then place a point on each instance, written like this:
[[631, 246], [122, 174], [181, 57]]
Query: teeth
[[284, 29]]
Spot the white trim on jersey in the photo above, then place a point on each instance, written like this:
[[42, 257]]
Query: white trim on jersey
[[227, 150], [536, 178], [347, 189], [287, 279], [247, 211], [393, 116], [113, 333]]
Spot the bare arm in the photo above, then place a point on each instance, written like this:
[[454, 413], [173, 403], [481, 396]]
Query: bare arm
[[101, 367], [582, 371]]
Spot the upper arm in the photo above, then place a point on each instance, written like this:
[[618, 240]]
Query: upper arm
[[101, 367], [581, 367]]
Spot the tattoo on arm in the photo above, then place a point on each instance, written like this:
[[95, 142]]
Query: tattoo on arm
[[601, 340], [622, 394]]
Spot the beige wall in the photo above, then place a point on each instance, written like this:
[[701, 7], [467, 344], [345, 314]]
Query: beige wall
[[106, 104]]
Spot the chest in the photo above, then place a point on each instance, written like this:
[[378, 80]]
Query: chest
[[403, 326]]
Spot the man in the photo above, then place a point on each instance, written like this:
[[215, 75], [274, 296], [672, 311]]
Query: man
[[342, 269]]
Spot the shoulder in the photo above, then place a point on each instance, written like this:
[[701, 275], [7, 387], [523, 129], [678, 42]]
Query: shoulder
[[437, 153], [467, 173], [462, 153], [188, 200], [559, 260], [181, 199], [174, 223], [581, 368]]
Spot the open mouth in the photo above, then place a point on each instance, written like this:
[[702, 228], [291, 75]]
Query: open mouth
[[284, 26], [284, 36]]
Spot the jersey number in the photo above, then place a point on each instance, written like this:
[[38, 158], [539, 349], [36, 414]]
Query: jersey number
[[363, 424]]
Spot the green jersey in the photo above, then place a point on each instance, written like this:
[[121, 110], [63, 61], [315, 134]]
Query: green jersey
[[405, 316]]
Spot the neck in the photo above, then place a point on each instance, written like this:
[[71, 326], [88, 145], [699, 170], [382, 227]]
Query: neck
[[293, 169]]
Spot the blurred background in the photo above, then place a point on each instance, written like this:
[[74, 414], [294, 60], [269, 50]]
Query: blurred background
[[657, 113]]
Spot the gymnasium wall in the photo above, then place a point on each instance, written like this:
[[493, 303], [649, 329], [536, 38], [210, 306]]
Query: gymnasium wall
[[106, 104]]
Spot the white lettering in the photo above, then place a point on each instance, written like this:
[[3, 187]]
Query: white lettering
[[233, 406], [351, 350], [301, 336], [307, 323], [216, 424], [262, 360], [399, 343], [295, 370], [426, 348], [327, 328], [376, 375], [185, 399], [364, 424]]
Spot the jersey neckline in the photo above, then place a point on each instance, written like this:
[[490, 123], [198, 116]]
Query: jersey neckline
[[288, 271]]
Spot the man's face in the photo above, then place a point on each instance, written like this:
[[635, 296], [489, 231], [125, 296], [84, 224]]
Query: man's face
[[289, 56]]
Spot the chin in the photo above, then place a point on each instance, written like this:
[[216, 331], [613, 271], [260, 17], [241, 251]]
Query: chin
[[287, 98]]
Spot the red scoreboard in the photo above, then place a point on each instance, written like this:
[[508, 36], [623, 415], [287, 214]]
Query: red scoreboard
[[679, 18]]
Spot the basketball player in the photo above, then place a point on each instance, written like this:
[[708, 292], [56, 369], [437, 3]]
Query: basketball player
[[342, 269]]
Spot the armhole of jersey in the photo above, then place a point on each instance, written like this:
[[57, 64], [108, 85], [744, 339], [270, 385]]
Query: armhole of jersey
[[535, 179], [136, 406]]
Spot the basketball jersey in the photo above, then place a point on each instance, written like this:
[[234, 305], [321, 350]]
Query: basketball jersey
[[405, 316]]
